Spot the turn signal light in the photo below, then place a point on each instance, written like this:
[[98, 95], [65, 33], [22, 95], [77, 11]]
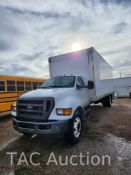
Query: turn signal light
[[64, 111]]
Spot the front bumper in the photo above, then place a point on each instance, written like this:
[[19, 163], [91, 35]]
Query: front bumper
[[48, 127]]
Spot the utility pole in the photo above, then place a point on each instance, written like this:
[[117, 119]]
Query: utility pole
[[120, 74]]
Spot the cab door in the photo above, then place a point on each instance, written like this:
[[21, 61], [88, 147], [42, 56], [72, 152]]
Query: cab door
[[82, 91], [91, 73]]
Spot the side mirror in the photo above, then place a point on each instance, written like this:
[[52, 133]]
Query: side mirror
[[90, 85], [78, 86]]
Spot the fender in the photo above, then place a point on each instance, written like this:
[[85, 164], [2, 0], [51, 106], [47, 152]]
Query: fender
[[68, 102]]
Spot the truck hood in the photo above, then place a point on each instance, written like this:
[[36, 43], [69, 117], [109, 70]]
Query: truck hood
[[39, 93]]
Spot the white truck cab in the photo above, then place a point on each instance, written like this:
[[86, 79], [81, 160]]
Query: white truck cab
[[61, 104]]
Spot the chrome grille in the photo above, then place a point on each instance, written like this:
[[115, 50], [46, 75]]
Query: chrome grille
[[35, 108]]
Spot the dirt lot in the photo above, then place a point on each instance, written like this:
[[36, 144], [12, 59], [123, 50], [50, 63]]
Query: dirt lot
[[108, 133]]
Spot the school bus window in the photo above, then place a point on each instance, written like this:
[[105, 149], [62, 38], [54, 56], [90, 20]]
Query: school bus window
[[2, 85], [28, 86], [35, 85], [20, 86], [40, 83], [11, 85]]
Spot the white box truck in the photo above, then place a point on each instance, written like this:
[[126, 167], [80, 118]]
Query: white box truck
[[62, 103]]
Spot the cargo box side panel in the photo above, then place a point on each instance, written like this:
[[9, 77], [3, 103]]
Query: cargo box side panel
[[70, 64], [103, 72]]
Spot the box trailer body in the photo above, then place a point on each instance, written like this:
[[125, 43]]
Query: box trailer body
[[61, 105], [87, 63]]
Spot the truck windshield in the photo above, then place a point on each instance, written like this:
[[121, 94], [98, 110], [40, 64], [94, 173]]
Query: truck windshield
[[59, 82]]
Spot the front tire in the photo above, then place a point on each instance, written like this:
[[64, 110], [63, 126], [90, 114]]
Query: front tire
[[74, 129]]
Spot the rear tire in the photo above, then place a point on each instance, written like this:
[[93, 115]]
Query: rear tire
[[107, 101], [74, 129]]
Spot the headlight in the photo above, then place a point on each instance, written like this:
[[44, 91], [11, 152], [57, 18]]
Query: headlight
[[63, 111]]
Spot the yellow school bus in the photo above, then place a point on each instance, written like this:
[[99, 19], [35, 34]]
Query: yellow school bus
[[11, 87]]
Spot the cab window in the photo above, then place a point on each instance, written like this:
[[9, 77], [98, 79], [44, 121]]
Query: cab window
[[80, 82]]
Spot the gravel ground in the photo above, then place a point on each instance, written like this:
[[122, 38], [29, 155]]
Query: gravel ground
[[108, 133]]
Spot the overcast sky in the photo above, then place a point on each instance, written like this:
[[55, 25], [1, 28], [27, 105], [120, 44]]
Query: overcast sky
[[33, 30]]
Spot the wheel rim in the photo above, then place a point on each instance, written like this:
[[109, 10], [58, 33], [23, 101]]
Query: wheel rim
[[77, 127]]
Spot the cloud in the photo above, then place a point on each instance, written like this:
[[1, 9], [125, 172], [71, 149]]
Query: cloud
[[33, 31], [4, 46], [32, 57], [117, 50], [119, 27], [116, 1], [46, 14]]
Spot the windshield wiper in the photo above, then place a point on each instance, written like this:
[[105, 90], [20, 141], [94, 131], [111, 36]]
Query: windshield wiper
[[53, 86], [44, 87], [56, 86]]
